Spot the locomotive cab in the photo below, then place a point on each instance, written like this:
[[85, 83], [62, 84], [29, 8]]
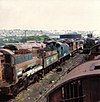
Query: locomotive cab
[[7, 71], [6, 66]]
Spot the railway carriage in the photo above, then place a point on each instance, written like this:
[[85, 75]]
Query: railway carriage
[[80, 85]]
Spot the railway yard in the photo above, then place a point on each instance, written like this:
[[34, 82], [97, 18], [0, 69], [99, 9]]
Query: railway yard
[[49, 50], [36, 92], [29, 71]]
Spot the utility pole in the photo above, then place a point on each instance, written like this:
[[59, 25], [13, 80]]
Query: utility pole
[[25, 32]]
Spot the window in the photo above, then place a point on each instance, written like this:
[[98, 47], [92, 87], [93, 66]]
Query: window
[[72, 92]]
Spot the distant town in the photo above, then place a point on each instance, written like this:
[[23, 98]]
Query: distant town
[[17, 34], [51, 33]]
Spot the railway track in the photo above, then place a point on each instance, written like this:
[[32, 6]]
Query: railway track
[[6, 98], [36, 91]]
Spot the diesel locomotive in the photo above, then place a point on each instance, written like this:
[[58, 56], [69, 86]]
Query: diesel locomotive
[[23, 64]]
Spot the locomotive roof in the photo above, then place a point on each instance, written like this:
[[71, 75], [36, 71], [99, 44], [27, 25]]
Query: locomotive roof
[[13, 46], [24, 46], [6, 51], [90, 68]]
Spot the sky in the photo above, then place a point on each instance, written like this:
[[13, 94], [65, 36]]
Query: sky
[[50, 14]]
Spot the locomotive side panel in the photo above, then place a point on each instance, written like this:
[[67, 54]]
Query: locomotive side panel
[[49, 60]]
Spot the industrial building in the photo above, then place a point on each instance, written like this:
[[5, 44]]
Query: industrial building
[[71, 36]]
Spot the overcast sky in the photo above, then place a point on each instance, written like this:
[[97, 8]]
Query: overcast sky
[[50, 14]]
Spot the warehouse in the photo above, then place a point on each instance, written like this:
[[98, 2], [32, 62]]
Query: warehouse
[[71, 36]]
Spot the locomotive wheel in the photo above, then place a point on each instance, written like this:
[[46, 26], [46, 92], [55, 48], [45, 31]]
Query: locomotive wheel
[[25, 83], [15, 90], [30, 80], [36, 78]]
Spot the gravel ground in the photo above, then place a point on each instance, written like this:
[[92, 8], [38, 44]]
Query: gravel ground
[[36, 92]]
